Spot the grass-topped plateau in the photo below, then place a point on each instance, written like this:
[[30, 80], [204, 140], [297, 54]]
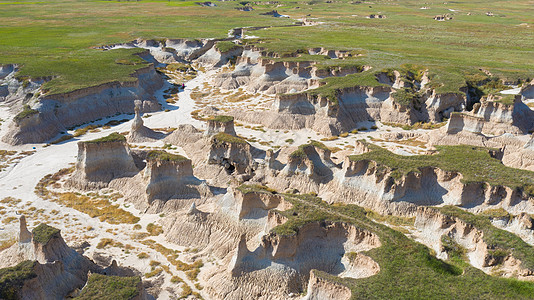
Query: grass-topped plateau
[[300, 152], [221, 119], [165, 156], [57, 38], [225, 138], [475, 164], [226, 46], [43, 233], [113, 137], [408, 270]]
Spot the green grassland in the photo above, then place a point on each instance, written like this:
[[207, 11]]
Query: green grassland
[[475, 164], [55, 38], [44, 233], [408, 270], [110, 287]]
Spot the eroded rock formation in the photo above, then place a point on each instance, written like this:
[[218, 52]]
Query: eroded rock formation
[[102, 160]]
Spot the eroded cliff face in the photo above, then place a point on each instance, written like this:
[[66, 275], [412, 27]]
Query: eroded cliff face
[[57, 269], [432, 225], [100, 162], [352, 106], [17, 92], [306, 170], [58, 112], [54, 270], [320, 288], [494, 118], [220, 125], [363, 183], [280, 266], [172, 179], [217, 228], [256, 73], [234, 156]]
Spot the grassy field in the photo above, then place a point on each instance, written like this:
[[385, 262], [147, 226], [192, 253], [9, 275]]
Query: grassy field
[[54, 38], [408, 270]]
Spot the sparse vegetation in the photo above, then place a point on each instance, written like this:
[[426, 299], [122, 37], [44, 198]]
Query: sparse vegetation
[[223, 138], [221, 119], [110, 287], [26, 112], [95, 206], [43, 233], [154, 229], [113, 137], [300, 152], [226, 46], [165, 156]]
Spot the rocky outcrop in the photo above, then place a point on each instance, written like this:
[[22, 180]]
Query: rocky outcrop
[[15, 91], [436, 228], [258, 74], [58, 112], [320, 288], [139, 133], [218, 124], [352, 106], [170, 176], [307, 169], [281, 265], [492, 117], [102, 160], [232, 153], [44, 267], [57, 269], [364, 183], [215, 58], [527, 91], [254, 202]]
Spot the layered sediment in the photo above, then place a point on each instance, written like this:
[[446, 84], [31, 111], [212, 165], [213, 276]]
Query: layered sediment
[[56, 113], [102, 160]]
